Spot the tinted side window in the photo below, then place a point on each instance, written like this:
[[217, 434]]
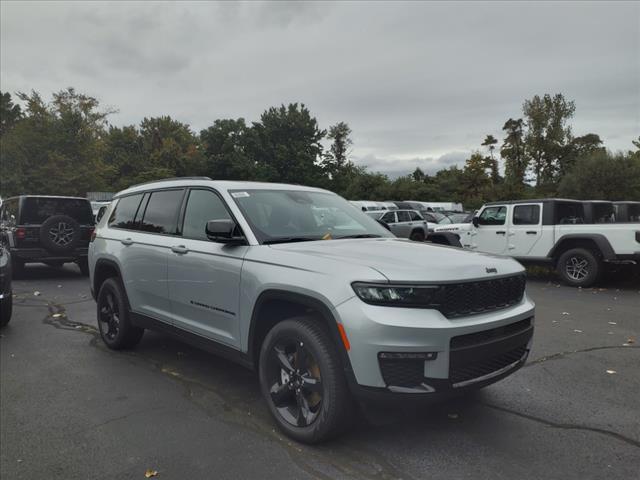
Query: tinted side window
[[161, 214], [203, 205], [569, 213], [493, 216], [389, 217], [124, 213], [403, 216], [36, 210], [415, 216], [526, 214]]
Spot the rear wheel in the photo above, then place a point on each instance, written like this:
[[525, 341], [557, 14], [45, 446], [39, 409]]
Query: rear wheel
[[114, 323], [417, 236], [579, 267], [302, 381]]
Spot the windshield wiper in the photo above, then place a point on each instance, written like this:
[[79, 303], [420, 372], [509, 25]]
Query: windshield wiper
[[360, 235], [272, 241]]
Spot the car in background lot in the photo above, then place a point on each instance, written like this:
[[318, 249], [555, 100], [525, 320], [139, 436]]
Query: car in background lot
[[317, 296], [6, 295], [48, 229], [403, 223], [578, 238]]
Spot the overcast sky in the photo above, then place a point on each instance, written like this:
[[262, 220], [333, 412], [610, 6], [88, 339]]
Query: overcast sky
[[420, 84]]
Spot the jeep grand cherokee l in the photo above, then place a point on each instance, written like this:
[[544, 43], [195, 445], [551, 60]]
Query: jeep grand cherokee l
[[320, 299]]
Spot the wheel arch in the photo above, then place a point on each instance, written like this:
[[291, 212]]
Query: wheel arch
[[103, 270], [595, 242], [274, 306]]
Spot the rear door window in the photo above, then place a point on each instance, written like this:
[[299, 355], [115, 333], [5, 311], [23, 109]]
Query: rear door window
[[403, 216], [35, 210], [161, 213], [415, 217], [389, 217], [526, 215], [124, 214], [202, 206]]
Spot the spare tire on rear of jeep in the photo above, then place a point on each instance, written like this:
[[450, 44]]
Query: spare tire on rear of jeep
[[59, 234]]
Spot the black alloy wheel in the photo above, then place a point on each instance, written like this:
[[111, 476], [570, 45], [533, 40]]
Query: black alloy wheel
[[296, 385], [114, 323], [109, 317]]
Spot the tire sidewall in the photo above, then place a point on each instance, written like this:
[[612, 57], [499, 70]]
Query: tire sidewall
[[111, 285], [50, 222], [417, 236], [292, 328], [593, 267]]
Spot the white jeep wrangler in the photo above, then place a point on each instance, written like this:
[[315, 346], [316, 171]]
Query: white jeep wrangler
[[578, 238]]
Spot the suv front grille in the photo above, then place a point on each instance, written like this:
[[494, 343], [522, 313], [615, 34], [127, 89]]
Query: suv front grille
[[469, 371], [469, 298]]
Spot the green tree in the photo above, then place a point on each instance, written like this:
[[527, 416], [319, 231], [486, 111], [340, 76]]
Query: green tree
[[475, 180], [513, 153], [603, 176], [10, 113], [287, 146], [547, 134], [226, 147]]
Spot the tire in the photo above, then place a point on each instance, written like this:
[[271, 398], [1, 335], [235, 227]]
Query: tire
[[114, 323], [579, 267], [417, 236], [309, 400], [59, 234], [83, 265], [6, 306]]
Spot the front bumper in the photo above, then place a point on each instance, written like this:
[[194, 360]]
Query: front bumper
[[465, 352]]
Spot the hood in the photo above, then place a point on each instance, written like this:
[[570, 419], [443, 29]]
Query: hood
[[404, 260]]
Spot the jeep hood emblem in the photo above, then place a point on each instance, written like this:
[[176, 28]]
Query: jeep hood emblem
[[491, 270]]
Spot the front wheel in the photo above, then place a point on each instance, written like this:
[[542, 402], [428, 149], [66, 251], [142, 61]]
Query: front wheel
[[417, 236], [6, 305], [579, 267], [115, 326], [302, 381]]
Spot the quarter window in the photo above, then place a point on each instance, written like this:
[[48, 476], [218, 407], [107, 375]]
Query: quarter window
[[203, 205], [493, 216], [526, 214], [415, 217], [123, 215], [161, 214]]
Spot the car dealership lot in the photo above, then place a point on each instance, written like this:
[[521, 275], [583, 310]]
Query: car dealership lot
[[70, 408]]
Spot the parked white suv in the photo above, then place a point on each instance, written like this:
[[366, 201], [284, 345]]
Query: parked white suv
[[321, 299], [578, 238]]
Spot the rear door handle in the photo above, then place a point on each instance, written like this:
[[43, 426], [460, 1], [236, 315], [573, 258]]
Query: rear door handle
[[126, 241], [500, 232], [179, 249], [532, 233]]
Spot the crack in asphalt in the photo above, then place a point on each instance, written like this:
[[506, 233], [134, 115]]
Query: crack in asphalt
[[355, 463], [565, 426], [560, 355]]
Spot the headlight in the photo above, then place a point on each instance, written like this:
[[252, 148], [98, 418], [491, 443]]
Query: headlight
[[397, 295]]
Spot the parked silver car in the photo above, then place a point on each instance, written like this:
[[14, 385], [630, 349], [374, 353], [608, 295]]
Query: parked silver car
[[315, 295], [404, 223]]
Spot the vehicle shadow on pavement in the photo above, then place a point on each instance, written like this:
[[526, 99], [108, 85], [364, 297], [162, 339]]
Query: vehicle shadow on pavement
[[40, 271]]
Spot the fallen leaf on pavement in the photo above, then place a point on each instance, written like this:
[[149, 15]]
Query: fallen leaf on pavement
[[150, 473], [452, 415], [566, 313], [56, 315], [578, 331], [36, 293], [612, 323], [611, 372]]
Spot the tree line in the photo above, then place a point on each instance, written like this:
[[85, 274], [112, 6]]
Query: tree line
[[66, 146]]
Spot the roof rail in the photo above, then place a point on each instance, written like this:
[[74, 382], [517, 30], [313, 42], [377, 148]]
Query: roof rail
[[168, 180]]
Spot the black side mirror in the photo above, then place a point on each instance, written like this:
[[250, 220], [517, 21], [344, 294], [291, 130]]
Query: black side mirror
[[223, 231], [475, 221]]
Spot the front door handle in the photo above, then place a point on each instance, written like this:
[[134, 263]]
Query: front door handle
[[126, 241], [500, 232], [179, 249], [530, 232]]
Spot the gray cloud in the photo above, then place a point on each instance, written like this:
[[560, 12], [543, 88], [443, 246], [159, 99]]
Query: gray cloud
[[414, 80]]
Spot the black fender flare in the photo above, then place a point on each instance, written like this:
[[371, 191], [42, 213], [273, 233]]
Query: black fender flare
[[600, 240], [103, 262], [306, 301]]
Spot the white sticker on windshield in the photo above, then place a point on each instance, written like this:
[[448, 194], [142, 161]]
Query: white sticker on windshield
[[240, 194]]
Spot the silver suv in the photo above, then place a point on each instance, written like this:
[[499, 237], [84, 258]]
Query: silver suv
[[324, 302], [403, 223]]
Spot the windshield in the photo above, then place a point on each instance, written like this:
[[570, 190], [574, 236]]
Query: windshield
[[283, 216], [457, 218]]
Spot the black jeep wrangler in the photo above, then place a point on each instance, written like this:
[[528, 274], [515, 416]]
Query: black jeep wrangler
[[47, 229]]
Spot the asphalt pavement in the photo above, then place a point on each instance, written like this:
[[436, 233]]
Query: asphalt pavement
[[72, 409]]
